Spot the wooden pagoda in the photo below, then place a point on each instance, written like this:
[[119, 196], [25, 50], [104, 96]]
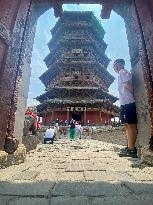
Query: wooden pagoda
[[77, 79]]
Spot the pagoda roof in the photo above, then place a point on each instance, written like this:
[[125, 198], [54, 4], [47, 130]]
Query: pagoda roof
[[50, 74], [51, 94], [52, 43], [68, 44], [58, 103], [76, 16]]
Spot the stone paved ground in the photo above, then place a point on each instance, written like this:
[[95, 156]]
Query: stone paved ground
[[82, 172]]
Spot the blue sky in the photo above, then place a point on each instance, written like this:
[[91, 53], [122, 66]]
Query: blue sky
[[115, 37]]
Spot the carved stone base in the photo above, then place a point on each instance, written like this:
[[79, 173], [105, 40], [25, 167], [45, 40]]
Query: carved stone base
[[147, 156], [18, 157]]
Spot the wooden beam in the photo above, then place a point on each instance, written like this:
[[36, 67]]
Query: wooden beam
[[106, 10], [58, 10]]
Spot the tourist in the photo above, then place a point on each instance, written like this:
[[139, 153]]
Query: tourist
[[49, 136], [56, 128], [128, 109], [66, 122], [72, 130], [79, 129]]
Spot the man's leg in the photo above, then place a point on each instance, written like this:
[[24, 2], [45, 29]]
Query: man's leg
[[71, 134], [132, 133], [130, 150], [73, 137], [74, 134], [126, 129]]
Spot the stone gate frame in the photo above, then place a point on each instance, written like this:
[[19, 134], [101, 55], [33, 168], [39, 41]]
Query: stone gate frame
[[17, 51]]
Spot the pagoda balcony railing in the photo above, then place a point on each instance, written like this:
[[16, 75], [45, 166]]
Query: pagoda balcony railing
[[68, 42], [69, 25], [102, 87], [78, 57], [75, 24], [77, 38], [77, 60]]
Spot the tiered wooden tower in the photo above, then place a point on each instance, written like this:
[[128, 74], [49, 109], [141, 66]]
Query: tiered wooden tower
[[77, 79]]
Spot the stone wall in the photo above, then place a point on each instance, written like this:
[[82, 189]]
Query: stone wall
[[144, 125], [140, 71]]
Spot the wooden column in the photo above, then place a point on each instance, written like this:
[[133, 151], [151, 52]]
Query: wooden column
[[85, 117], [100, 117], [68, 115], [52, 118], [114, 120]]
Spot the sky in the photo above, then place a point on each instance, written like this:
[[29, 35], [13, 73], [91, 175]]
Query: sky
[[115, 37]]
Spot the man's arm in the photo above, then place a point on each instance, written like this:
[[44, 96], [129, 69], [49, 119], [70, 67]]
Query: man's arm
[[128, 86]]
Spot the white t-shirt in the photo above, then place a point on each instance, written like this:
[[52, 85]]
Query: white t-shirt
[[49, 133], [125, 96], [79, 128]]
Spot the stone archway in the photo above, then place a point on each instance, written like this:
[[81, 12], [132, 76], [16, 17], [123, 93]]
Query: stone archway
[[16, 41]]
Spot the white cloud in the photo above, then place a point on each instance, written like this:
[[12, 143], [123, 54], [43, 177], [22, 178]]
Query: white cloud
[[32, 102]]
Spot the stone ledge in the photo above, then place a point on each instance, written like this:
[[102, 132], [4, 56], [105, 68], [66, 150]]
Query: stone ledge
[[147, 156], [18, 157]]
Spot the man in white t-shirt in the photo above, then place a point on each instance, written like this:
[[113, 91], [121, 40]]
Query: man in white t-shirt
[[49, 136], [128, 109]]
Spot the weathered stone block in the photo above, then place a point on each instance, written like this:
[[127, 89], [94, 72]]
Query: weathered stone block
[[18, 157], [147, 156], [30, 141], [3, 158]]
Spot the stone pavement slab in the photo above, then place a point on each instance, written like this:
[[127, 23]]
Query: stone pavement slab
[[62, 200], [133, 200], [29, 201], [106, 176], [140, 187], [27, 188], [141, 176], [82, 172], [84, 189], [4, 200], [26, 175]]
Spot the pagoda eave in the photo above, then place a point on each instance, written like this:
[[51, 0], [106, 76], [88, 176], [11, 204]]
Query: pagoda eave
[[51, 73], [53, 93], [106, 105]]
